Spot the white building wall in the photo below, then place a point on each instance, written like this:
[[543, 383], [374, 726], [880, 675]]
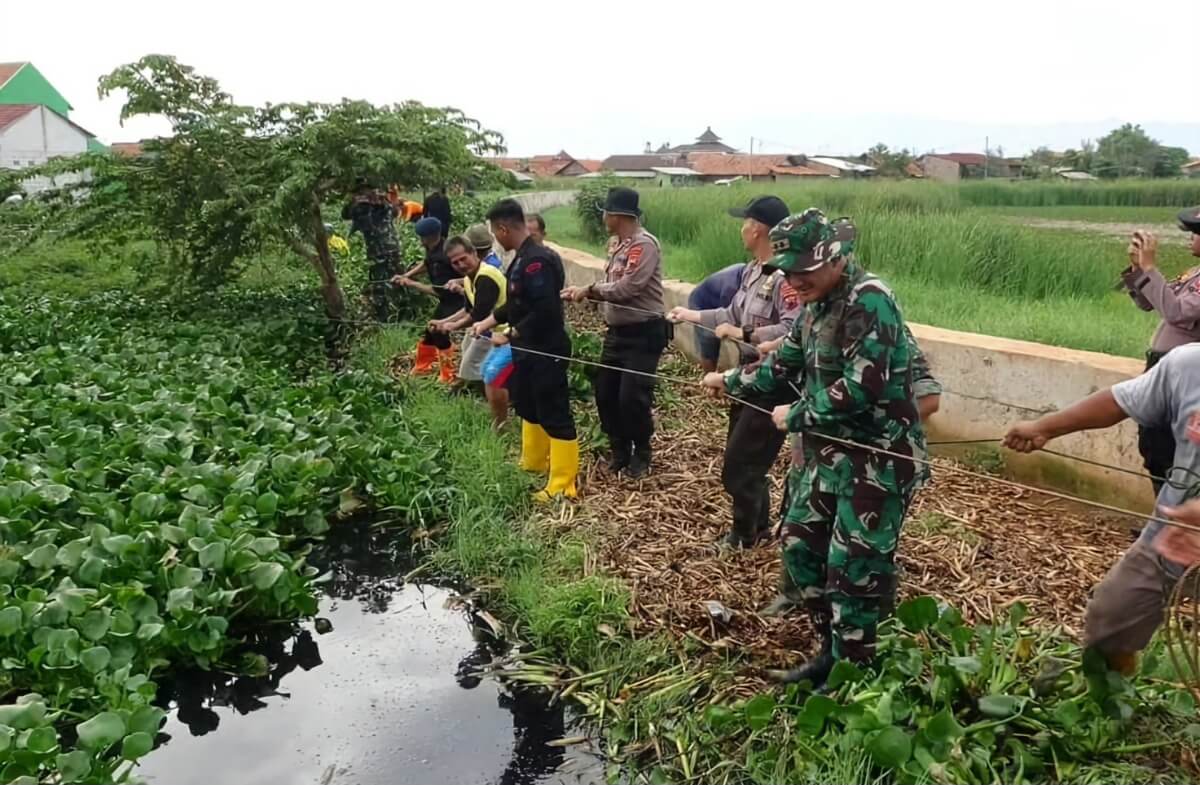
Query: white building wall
[[36, 138]]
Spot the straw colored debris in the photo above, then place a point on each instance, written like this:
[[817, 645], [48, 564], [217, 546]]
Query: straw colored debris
[[976, 544]]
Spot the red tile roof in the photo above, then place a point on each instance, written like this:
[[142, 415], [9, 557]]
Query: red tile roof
[[7, 70], [798, 171], [548, 166], [591, 164], [10, 113], [514, 164], [732, 165], [130, 149]]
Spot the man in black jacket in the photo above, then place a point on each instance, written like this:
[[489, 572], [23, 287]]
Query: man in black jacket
[[437, 205], [534, 312]]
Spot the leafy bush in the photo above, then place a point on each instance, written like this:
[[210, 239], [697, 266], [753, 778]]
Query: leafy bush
[[955, 703], [589, 206], [465, 211]]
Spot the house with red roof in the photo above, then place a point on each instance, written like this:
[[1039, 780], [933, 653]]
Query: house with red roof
[[35, 125], [561, 164]]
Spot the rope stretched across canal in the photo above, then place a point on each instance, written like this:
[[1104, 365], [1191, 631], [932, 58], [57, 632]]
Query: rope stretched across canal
[[882, 451]]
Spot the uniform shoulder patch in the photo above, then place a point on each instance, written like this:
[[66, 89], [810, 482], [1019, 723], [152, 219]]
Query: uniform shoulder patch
[[791, 298], [532, 268], [634, 258]]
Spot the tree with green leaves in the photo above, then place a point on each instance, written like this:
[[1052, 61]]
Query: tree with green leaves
[[890, 163], [1129, 151], [232, 180], [1080, 160]]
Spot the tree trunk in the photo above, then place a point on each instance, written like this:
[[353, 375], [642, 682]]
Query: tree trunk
[[331, 289]]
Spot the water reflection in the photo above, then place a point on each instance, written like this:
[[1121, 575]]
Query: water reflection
[[392, 695]]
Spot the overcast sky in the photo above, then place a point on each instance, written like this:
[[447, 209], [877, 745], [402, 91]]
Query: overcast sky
[[597, 78]]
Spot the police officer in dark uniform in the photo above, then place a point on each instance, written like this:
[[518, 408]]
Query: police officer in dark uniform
[[632, 296], [370, 213], [533, 311]]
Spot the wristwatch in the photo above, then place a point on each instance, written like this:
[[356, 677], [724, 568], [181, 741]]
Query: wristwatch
[[748, 334]]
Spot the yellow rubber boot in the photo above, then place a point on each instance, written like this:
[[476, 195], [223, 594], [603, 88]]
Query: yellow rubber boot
[[564, 468], [535, 448]]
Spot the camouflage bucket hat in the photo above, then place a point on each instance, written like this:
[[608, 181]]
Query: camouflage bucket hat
[[806, 241], [480, 238]]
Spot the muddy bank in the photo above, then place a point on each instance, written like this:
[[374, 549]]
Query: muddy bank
[[391, 694]]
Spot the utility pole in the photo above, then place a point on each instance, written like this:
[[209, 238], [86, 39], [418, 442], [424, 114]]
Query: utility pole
[[750, 163]]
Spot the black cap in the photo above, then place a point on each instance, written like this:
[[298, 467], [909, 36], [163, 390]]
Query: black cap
[[768, 210], [1189, 219], [622, 201]]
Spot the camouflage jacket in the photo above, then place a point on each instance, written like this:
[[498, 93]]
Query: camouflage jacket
[[852, 361], [375, 219]]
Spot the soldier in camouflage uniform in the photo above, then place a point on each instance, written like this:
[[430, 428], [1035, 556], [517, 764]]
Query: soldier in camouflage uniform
[[374, 216], [852, 362]]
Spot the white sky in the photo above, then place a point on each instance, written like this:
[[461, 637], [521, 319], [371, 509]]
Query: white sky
[[599, 78]]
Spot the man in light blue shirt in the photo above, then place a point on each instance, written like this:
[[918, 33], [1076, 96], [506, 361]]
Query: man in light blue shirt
[[1128, 605]]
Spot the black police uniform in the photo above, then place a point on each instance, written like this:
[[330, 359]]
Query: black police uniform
[[533, 309], [441, 272]]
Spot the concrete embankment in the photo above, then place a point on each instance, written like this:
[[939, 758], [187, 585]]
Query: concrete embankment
[[992, 382]]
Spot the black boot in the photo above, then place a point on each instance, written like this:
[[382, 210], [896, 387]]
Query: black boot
[[816, 670], [620, 456], [639, 464], [787, 598]]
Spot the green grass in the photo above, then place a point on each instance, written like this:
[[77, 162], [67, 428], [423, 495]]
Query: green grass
[[1118, 193], [533, 578]]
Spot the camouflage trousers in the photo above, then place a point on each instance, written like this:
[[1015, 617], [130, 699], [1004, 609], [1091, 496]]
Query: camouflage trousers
[[379, 290], [839, 552]]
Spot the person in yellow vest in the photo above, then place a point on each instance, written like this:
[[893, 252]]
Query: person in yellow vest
[[485, 290]]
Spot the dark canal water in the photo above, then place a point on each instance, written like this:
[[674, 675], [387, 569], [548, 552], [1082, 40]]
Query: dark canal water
[[388, 697]]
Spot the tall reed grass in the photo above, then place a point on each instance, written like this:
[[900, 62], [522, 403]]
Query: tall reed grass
[[954, 263]]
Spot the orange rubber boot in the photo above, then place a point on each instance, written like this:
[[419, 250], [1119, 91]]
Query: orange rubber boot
[[426, 355], [448, 365]]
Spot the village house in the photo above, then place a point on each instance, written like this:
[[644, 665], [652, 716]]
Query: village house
[[707, 142], [561, 164], [952, 167], [640, 167], [1192, 168], [34, 123]]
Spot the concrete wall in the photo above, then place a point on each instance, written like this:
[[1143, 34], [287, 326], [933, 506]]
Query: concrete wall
[[941, 169], [991, 383], [541, 201]]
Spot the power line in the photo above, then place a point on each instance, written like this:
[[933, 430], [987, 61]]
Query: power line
[[891, 453]]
